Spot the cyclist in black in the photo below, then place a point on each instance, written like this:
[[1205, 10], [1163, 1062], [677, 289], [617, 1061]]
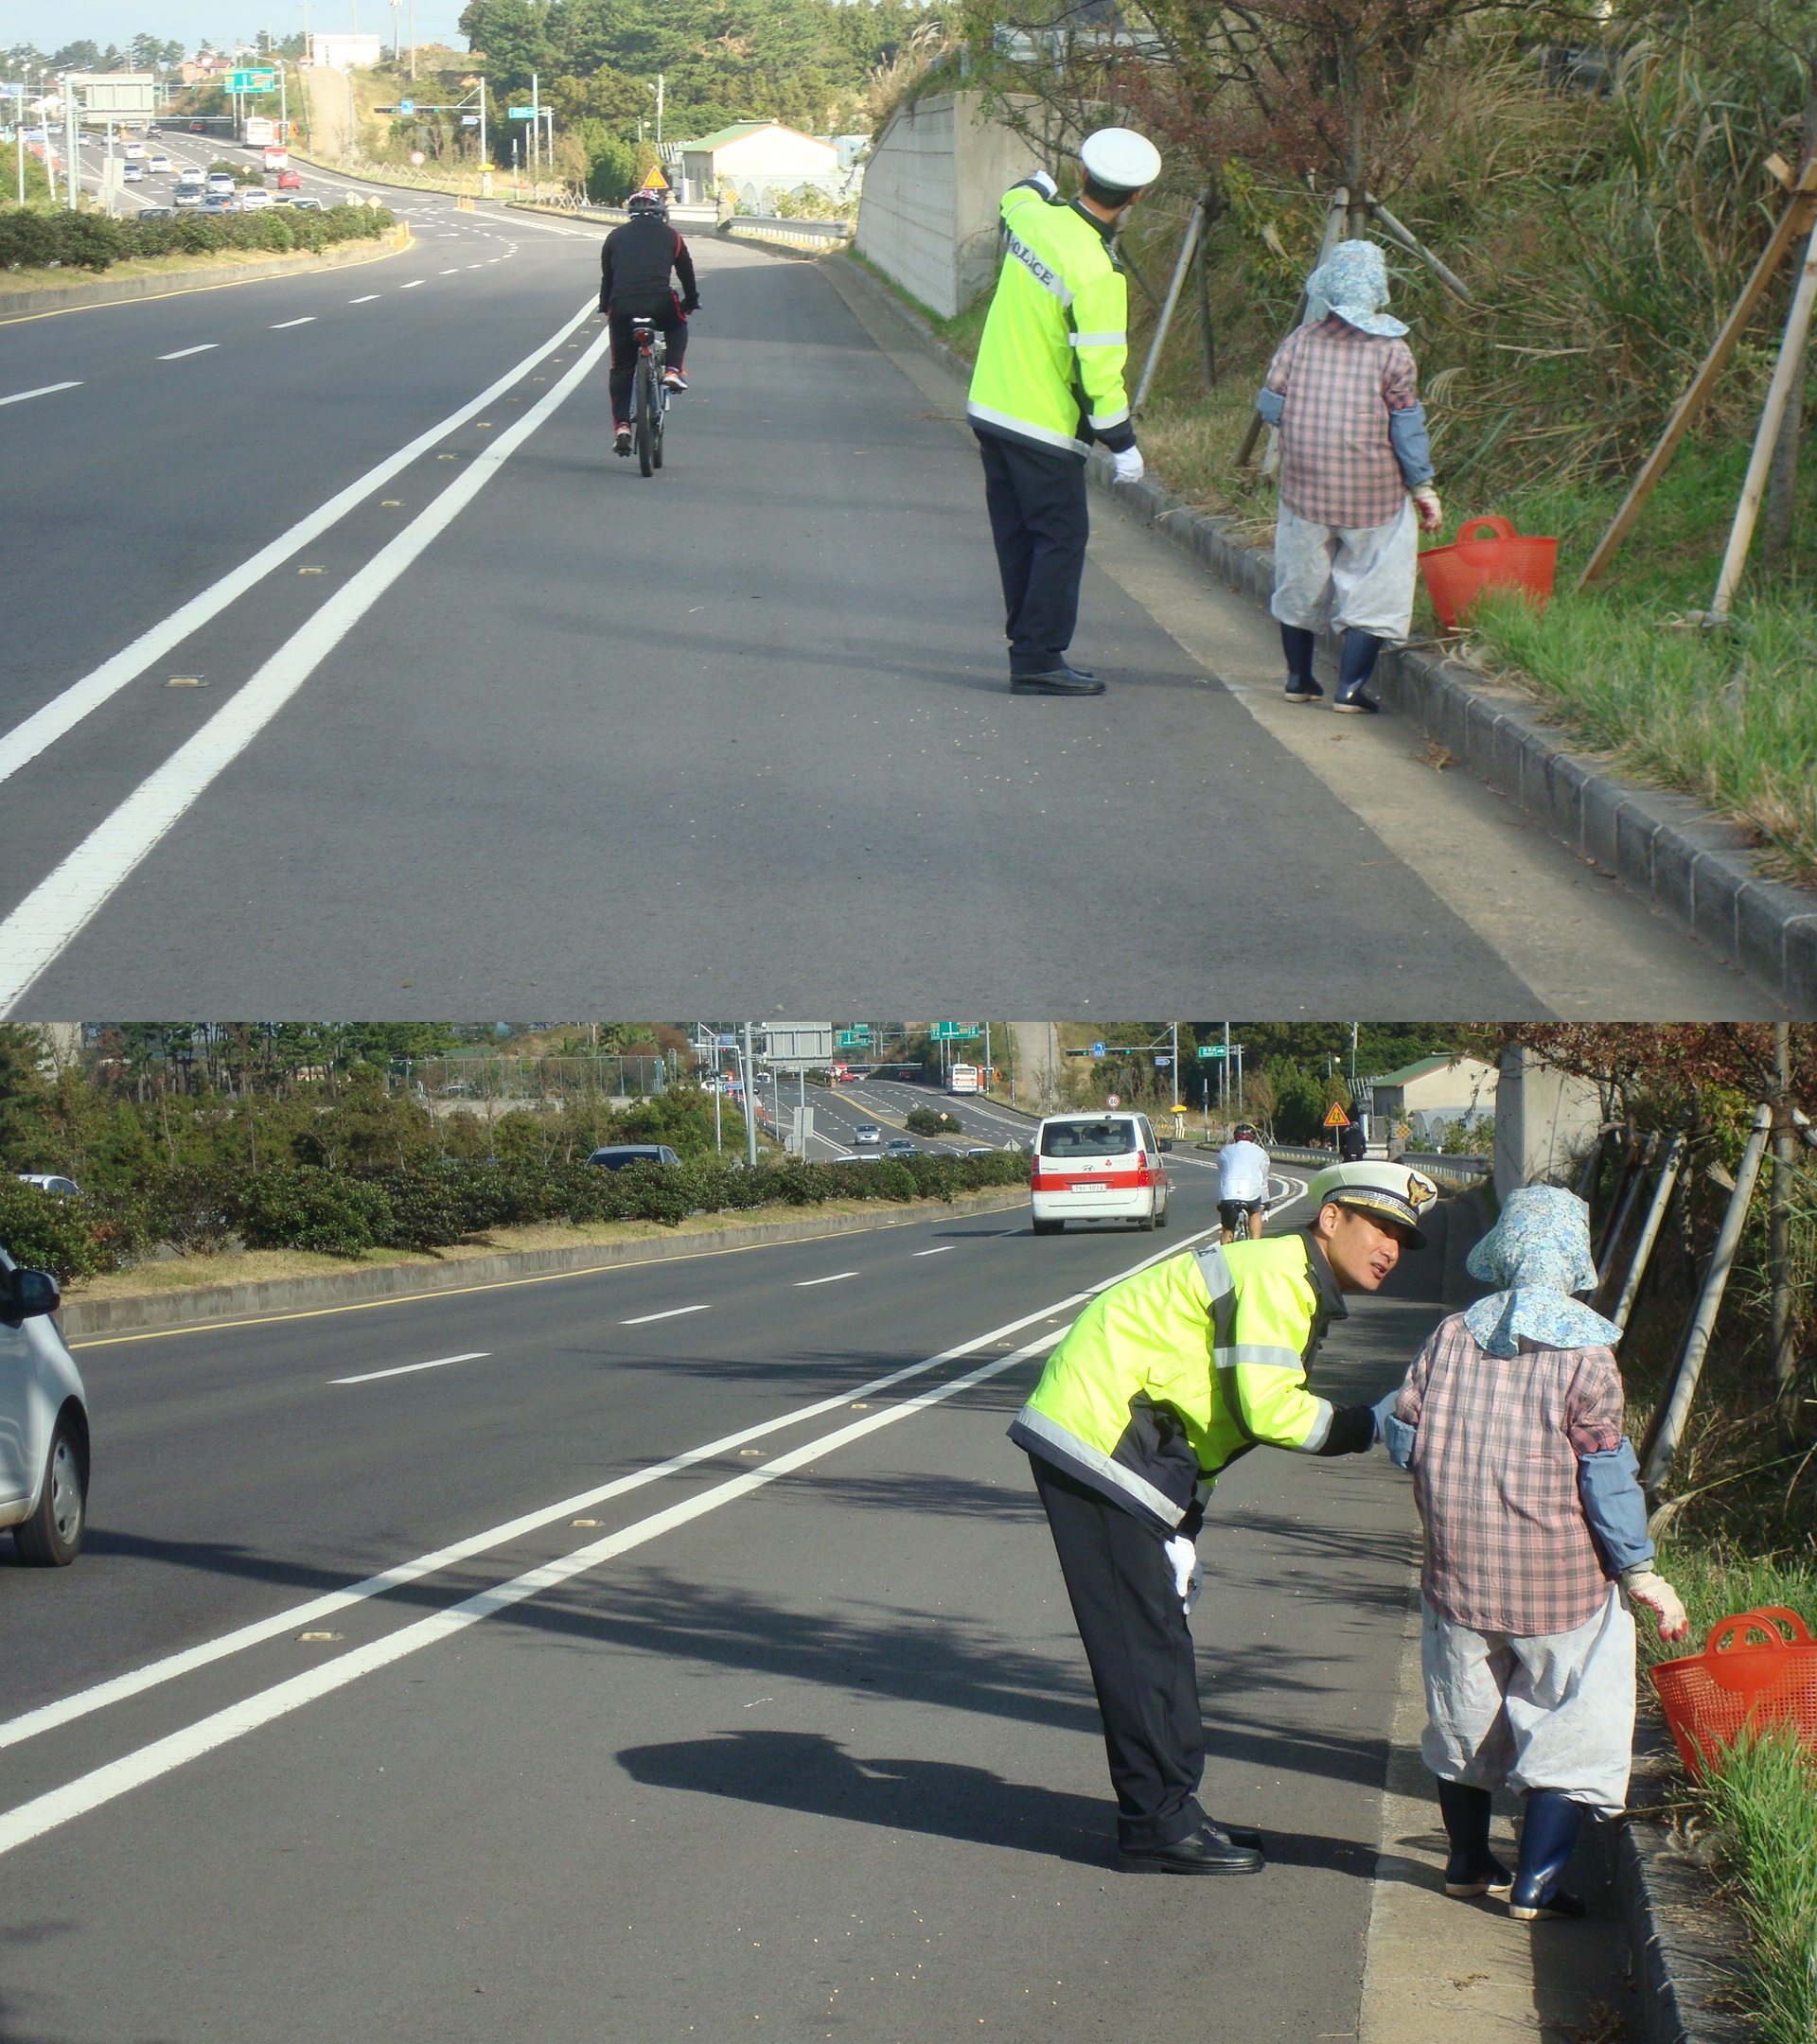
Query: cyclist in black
[[634, 284]]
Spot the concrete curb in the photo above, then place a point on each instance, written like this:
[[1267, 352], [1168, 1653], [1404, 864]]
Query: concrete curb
[[73, 298], [100, 1318], [1682, 1940], [1669, 848]]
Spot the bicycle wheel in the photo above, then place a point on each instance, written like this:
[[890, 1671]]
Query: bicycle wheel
[[659, 419], [643, 413]]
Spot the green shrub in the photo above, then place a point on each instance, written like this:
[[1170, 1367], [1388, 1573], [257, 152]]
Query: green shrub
[[49, 1231], [930, 1121], [302, 1207], [891, 1179], [91, 241]]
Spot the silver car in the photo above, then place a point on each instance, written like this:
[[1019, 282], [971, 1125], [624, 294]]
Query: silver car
[[44, 1422]]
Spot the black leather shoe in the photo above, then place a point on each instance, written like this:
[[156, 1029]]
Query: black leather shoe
[[1057, 681], [1241, 1835], [1078, 673], [1210, 1850]]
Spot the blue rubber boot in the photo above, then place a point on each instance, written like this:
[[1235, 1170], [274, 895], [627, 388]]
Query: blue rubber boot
[[1548, 1837], [1356, 663], [1473, 1869], [1297, 644]]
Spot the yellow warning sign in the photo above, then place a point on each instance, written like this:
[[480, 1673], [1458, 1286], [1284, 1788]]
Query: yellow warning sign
[[1338, 1118], [655, 181]]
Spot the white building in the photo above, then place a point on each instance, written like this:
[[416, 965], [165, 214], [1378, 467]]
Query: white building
[[759, 161], [345, 52]]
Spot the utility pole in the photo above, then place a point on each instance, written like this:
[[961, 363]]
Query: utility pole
[[751, 1104], [1175, 1026], [413, 42], [536, 188], [72, 149], [1224, 1074], [485, 159], [659, 112], [1352, 1060]]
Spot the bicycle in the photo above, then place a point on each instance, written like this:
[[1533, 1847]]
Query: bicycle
[[649, 395]]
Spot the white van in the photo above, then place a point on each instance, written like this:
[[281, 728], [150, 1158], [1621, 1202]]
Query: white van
[[1098, 1167], [44, 1422]]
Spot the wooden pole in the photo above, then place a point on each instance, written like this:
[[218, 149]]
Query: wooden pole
[[1790, 363], [1334, 220], [1668, 1424], [1650, 1230], [1411, 242], [1208, 339], [1795, 220]]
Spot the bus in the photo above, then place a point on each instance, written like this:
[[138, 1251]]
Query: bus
[[963, 1079]]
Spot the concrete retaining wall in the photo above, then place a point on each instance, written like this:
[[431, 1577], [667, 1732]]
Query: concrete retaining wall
[[928, 217]]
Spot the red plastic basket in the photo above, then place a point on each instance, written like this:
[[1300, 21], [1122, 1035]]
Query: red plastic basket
[[1735, 1686], [1455, 575]]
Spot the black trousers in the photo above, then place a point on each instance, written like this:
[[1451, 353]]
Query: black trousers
[[673, 322], [1135, 1637], [1036, 500]]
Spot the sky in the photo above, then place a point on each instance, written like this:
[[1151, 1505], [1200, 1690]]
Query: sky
[[50, 24]]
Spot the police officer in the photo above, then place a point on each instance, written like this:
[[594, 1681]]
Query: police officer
[[1048, 381], [1159, 1386]]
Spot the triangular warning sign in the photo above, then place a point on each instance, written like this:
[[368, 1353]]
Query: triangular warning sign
[[655, 181], [1338, 1118]]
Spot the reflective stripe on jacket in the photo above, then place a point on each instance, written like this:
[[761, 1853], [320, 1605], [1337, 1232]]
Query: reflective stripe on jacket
[[1167, 1377], [1049, 369]]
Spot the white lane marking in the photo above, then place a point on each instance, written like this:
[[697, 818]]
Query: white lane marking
[[200, 348], [802, 1284], [476, 265], [50, 1716], [674, 1313], [59, 907], [940, 1251], [406, 1369], [307, 319], [366, 300], [450, 273], [413, 284], [44, 390], [162, 1756], [64, 712]]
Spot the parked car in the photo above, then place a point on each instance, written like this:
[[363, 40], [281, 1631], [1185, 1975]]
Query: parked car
[[44, 1422], [254, 199], [289, 181], [615, 1156], [1097, 1168], [49, 1181]]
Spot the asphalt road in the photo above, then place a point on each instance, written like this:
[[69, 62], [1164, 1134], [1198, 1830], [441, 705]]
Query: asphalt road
[[505, 723], [811, 1757]]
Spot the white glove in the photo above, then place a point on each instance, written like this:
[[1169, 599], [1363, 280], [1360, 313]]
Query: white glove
[[1189, 1579], [1128, 465], [1045, 185], [1432, 513], [1660, 1599]]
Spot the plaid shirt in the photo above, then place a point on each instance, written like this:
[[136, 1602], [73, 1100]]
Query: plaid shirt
[[1336, 465], [1495, 1477]]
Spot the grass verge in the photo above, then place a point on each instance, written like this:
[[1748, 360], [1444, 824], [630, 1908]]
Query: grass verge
[[15, 281], [1764, 1801]]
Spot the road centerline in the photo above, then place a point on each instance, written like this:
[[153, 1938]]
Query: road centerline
[[44, 390], [674, 1312], [202, 347], [802, 1284]]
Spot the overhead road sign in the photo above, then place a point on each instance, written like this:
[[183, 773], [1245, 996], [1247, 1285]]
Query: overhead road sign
[[1096, 1050], [852, 1039], [1338, 1118], [797, 1045], [1211, 1050], [957, 1031], [521, 112], [406, 106], [252, 81]]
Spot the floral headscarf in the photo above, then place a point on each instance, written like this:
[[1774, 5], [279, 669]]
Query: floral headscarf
[[1352, 281], [1539, 1252]]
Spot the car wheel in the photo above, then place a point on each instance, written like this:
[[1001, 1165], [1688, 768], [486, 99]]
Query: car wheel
[[1049, 1227], [52, 1537], [1146, 1222], [1160, 1215]]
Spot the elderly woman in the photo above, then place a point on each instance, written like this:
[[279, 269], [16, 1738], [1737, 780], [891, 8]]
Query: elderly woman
[[1354, 462], [1511, 1420]]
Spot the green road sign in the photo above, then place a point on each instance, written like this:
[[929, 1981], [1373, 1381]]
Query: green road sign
[[521, 112], [957, 1031], [852, 1039], [1211, 1050], [252, 81]]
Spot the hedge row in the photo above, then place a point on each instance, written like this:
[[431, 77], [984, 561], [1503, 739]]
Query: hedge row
[[92, 241], [429, 1206]]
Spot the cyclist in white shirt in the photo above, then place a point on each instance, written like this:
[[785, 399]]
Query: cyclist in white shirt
[[1242, 1186]]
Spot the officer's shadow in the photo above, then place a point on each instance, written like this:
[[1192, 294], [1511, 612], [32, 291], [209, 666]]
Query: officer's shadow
[[806, 1771]]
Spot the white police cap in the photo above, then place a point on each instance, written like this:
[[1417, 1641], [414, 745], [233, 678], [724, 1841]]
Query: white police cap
[[1389, 1191], [1121, 158]]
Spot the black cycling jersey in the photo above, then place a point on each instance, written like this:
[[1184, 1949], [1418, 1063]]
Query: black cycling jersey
[[635, 265]]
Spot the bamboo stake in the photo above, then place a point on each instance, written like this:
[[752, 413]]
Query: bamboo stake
[[1411, 242], [1668, 1172], [1188, 244], [1796, 220], [1623, 1209], [1334, 221], [1667, 1426], [1790, 363]]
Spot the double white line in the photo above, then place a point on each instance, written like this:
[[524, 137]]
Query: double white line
[[54, 913], [133, 1771]]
